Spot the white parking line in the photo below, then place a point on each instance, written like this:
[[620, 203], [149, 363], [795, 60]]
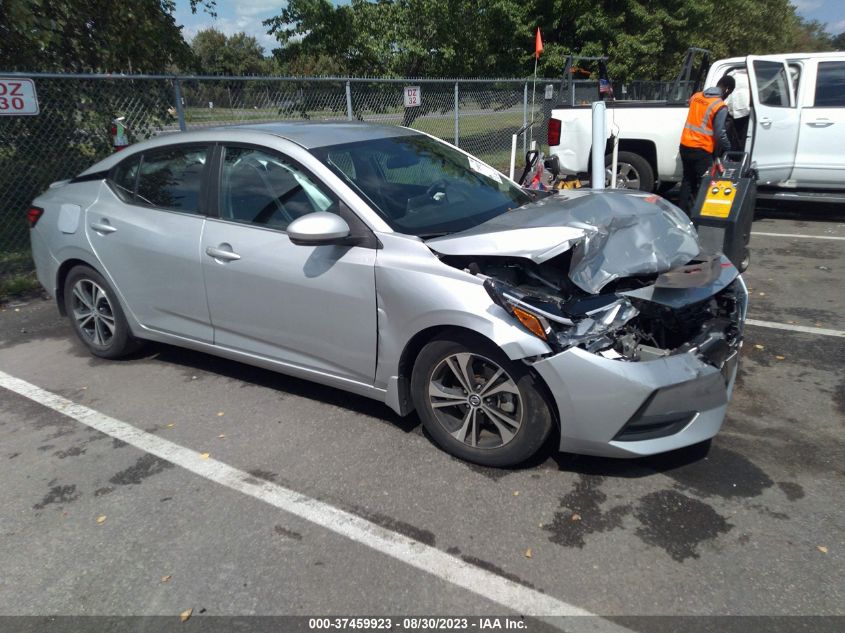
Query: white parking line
[[511, 595], [804, 236], [795, 328]]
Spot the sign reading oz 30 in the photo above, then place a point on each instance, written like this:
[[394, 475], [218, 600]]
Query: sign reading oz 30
[[17, 97]]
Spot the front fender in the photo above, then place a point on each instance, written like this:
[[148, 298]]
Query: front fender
[[415, 291]]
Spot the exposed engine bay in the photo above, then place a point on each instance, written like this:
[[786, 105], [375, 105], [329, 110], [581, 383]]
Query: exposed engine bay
[[634, 318]]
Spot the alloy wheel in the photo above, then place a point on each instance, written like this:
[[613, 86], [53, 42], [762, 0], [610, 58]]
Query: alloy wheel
[[93, 312], [627, 176], [475, 400]]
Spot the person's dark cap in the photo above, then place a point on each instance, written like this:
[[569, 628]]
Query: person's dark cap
[[727, 82]]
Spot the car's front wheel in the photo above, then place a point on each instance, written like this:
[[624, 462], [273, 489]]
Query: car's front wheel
[[477, 404], [96, 315]]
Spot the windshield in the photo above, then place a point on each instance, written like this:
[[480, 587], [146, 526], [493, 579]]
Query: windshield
[[421, 186]]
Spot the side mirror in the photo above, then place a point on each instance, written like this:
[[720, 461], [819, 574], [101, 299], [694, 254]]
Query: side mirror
[[318, 228]]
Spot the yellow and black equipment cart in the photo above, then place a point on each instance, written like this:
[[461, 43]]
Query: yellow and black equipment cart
[[724, 209]]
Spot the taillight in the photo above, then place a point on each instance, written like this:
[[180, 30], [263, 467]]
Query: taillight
[[554, 132], [33, 215]]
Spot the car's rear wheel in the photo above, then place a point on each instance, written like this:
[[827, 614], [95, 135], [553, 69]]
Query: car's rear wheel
[[477, 404], [96, 315]]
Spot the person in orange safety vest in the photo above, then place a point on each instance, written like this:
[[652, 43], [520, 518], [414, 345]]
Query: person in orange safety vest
[[704, 138]]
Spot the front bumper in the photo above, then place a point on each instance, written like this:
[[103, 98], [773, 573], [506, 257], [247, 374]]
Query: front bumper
[[632, 409]]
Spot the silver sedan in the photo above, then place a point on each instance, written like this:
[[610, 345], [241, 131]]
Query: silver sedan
[[387, 263]]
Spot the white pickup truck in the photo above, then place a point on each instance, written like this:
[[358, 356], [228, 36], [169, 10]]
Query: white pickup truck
[[796, 133]]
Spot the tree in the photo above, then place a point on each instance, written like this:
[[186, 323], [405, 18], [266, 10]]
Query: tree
[[838, 42], [92, 35], [645, 39], [432, 38], [72, 130], [218, 54]]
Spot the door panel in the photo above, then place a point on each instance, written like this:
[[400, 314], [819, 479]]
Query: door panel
[[820, 161], [311, 306], [775, 119], [152, 256]]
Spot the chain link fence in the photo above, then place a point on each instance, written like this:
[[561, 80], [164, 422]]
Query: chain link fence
[[72, 129]]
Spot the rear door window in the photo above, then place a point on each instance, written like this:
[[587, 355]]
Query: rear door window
[[830, 85], [172, 178]]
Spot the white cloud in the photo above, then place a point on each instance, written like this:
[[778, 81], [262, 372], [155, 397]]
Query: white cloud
[[836, 27], [257, 7], [805, 6], [235, 16]]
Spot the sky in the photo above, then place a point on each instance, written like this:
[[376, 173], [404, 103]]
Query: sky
[[246, 15], [233, 16]]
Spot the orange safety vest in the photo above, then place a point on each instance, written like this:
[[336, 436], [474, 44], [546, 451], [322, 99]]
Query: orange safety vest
[[698, 130]]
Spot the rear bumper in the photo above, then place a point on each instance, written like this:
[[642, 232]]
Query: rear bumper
[[631, 409]]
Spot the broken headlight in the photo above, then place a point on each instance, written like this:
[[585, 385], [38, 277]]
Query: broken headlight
[[592, 330]]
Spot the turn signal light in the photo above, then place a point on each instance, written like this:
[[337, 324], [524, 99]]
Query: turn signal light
[[530, 321], [33, 215]]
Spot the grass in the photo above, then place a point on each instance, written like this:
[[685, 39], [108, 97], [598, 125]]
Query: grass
[[17, 285], [17, 276]]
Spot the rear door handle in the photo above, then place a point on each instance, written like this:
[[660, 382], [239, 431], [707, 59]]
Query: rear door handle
[[820, 123], [766, 122], [103, 227], [222, 253]]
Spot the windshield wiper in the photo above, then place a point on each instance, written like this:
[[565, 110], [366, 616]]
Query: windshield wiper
[[428, 236]]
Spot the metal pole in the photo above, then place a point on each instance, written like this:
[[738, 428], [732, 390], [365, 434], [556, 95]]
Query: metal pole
[[614, 163], [524, 118], [513, 155], [180, 111], [457, 119], [599, 143], [533, 94], [349, 101]]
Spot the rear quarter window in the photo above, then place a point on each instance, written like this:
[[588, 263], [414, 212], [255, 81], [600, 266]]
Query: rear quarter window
[[123, 178]]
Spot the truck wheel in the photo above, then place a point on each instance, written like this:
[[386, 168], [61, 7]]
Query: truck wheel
[[632, 171]]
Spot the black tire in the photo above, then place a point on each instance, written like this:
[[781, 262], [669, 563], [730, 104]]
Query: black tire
[[526, 403], [109, 336], [635, 169]]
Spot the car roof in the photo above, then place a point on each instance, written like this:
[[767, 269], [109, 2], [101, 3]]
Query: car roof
[[306, 134], [826, 56], [312, 134]]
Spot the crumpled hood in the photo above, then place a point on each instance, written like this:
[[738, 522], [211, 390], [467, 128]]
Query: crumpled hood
[[612, 234]]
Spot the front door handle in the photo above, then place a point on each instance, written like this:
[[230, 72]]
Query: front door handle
[[766, 122], [820, 123], [103, 227], [222, 253]]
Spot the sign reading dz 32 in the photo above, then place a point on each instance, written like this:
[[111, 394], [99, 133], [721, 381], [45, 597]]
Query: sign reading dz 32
[[413, 96], [17, 97]]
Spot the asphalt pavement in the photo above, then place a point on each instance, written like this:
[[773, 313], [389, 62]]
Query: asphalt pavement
[[91, 524]]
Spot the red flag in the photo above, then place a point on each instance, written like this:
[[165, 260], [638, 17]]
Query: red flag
[[538, 44]]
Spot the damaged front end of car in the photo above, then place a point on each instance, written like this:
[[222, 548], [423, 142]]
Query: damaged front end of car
[[644, 329], [636, 319]]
